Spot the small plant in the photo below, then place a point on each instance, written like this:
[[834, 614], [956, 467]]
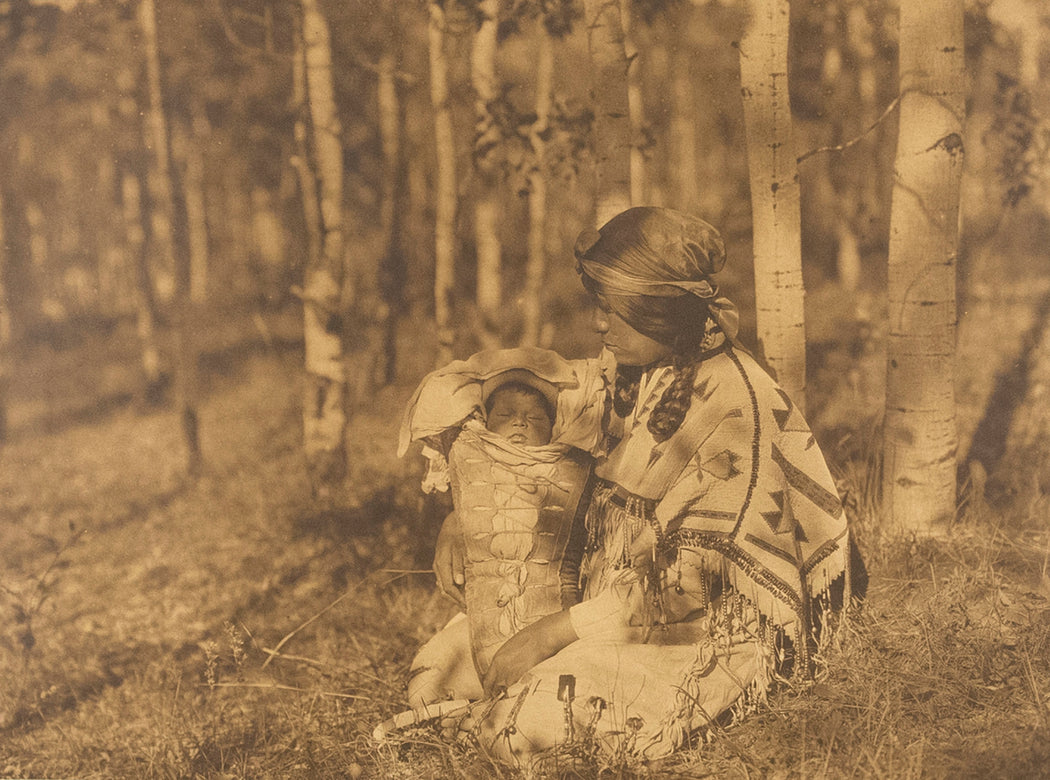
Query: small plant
[[26, 601]]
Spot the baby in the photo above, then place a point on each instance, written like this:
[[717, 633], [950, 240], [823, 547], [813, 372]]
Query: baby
[[520, 413], [517, 489]]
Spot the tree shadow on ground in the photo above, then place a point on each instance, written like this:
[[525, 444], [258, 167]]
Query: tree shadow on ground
[[392, 523], [1011, 386]]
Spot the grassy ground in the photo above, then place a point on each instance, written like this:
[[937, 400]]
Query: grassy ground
[[231, 627]]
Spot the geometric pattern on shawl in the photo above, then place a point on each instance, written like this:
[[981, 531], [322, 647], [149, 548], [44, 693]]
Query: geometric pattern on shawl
[[744, 488]]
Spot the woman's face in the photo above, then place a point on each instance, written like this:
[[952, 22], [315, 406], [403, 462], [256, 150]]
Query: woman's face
[[629, 347]]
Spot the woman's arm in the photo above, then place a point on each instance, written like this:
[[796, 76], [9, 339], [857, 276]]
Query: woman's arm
[[528, 647], [449, 560]]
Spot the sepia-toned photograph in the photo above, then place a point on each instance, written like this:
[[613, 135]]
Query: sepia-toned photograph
[[598, 389]]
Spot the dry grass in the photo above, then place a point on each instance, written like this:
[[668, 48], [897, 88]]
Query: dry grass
[[231, 628]]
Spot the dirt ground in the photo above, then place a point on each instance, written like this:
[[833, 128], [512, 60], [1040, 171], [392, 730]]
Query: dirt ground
[[229, 626]]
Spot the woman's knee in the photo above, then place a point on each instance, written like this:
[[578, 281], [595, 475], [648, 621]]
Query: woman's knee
[[444, 668]]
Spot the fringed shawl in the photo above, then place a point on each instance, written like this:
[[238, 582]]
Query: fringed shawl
[[741, 493]]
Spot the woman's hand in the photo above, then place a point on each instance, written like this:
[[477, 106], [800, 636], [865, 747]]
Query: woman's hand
[[528, 647], [449, 556]]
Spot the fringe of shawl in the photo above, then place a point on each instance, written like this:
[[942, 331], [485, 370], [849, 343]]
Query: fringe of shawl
[[616, 523]]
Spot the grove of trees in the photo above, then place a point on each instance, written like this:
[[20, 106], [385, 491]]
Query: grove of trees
[[410, 177]]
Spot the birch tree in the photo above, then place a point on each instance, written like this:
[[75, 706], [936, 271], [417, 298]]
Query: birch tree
[[919, 446], [325, 398], [300, 162], [445, 197], [137, 259], [536, 264], [196, 207], [392, 269], [162, 254], [773, 174], [612, 117], [685, 171], [635, 104], [173, 216], [486, 169]]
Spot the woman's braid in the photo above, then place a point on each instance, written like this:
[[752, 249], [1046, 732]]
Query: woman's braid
[[625, 391], [673, 405]]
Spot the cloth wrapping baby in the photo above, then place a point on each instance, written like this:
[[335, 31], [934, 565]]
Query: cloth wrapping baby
[[503, 429]]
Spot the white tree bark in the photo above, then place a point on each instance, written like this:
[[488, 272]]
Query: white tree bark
[[779, 294], [392, 273], [683, 131], [919, 469], [612, 116], [301, 163], [176, 245], [162, 271], [636, 106], [487, 145], [445, 198], [135, 237], [536, 265], [196, 210], [325, 402]]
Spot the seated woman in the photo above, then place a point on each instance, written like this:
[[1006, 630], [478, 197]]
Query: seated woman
[[715, 535]]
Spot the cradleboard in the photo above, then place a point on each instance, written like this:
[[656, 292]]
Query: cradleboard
[[521, 514]]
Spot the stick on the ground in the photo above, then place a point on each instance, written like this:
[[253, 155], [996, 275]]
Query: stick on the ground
[[277, 650], [288, 637], [278, 687]]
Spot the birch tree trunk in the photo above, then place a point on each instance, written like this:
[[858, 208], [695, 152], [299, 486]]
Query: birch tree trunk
[[392, 271], [301, 161], [536, 264], [773, 173], [173, 214], [187, 384], [196, 209], [325, 400], [919, 469], [486, 170], [612, 116], [145, 317], [635, 105], [445, 205], [162, 258], [683, 131]]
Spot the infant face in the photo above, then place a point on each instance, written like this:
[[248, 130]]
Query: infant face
[[519, 417]]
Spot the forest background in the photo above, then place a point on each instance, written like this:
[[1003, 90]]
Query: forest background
[[226, 224]]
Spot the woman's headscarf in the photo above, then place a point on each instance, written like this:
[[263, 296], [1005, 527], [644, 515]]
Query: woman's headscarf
[[658, 253]]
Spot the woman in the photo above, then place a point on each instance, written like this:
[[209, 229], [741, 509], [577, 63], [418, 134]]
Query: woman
[[715, 534]]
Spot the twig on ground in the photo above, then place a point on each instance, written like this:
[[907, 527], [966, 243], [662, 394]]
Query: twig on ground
[[296, 658], [279, 687], [287, 638]]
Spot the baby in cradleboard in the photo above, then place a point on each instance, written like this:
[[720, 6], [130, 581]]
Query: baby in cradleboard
[[499, 431]]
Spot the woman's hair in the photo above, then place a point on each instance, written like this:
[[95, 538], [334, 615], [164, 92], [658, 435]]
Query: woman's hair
[[674, 404], [672, 255]]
